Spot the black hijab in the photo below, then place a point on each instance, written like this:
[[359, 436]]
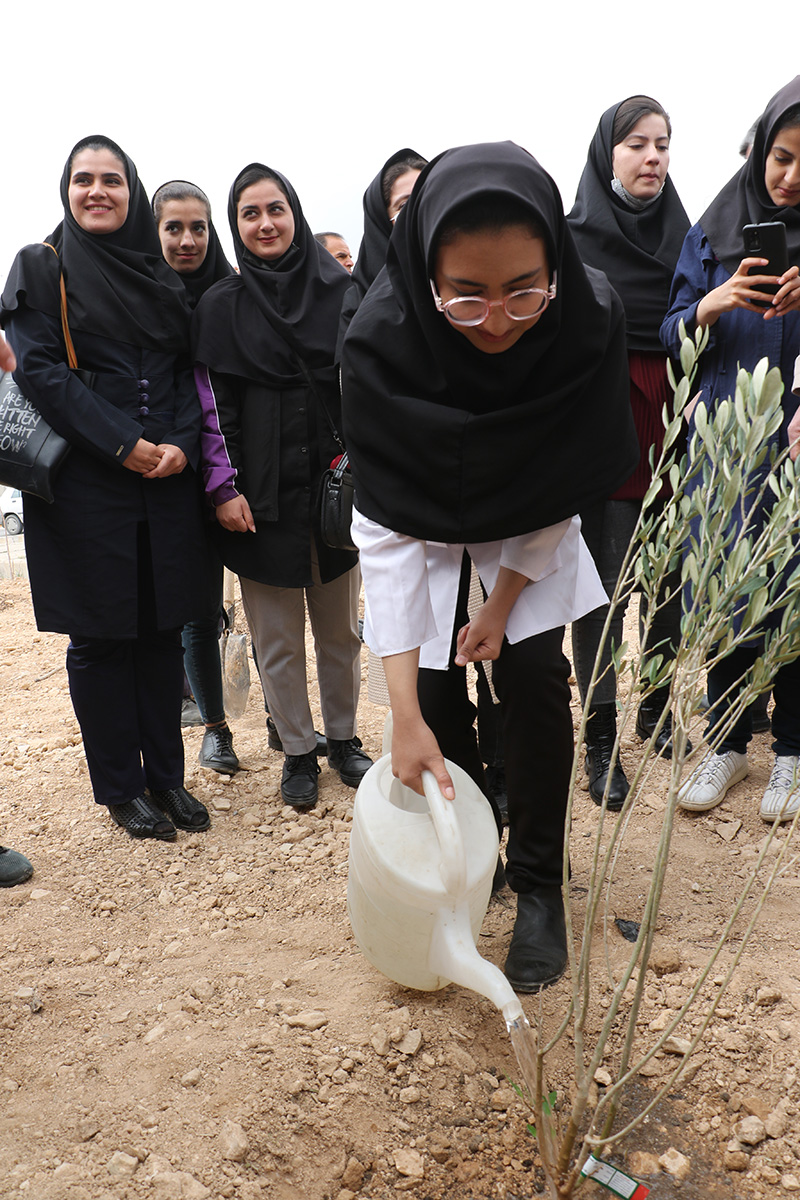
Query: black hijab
[[745, 200], [261, 323], [118, 284], [451, 444], [214, 266], [637, 250]]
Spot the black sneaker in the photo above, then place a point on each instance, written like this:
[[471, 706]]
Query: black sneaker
[[349, 760], [14, 867], [217, 752], [299, 787]]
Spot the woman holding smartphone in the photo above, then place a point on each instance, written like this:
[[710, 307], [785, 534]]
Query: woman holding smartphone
[[713, 288]]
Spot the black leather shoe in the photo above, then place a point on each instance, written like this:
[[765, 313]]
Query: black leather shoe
[[299, 786], [349, 760], [537, 955], [499, 877], [181, 806], [647, 717], [141, 819], [601, 733], [217, 751], [274, 739], [496, 783]]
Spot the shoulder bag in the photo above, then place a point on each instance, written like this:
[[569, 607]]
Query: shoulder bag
[[31, 452]]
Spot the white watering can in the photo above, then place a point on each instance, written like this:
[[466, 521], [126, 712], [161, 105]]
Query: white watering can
[[419, 881]]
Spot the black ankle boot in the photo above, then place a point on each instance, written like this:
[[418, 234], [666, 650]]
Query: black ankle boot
[[601, 732], [648, 716], [537, 955]]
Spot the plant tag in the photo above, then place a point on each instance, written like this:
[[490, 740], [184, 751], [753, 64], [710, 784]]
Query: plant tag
[[616, 1181]]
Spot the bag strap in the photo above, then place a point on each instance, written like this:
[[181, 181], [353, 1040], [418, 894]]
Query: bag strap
[[310, 381], [72, 358]]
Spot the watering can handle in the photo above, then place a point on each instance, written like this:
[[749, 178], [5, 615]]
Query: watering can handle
[[448, 831]]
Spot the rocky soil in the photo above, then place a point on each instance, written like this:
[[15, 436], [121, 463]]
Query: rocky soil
[[194, 1020]]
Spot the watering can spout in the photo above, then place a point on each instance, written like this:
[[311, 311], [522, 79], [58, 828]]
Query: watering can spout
[[453, 956]]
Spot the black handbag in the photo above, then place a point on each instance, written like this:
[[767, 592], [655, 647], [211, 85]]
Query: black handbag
[[31, 452], [336, 506], [335, 497]]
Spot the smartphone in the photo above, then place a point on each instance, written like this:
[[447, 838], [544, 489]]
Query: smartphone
[[767, 240]]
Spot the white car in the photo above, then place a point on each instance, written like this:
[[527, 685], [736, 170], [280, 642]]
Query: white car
[[11, 508]]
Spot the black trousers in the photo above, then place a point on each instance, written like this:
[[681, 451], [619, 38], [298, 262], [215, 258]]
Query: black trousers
[[531, 681], [127, 695]]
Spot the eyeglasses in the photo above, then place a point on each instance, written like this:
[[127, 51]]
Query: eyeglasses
[[474, 310]]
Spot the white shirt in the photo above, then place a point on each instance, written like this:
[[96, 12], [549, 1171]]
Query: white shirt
[[411, 586]]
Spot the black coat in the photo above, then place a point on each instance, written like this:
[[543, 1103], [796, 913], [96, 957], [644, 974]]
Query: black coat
[[279, 442], [82, 549]]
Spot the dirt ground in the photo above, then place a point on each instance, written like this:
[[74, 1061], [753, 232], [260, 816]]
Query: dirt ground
[[194, 1019]]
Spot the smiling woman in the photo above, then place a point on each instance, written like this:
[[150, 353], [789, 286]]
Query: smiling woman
[[113, 561]]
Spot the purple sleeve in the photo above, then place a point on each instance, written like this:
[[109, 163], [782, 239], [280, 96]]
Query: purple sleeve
[[219, 474]]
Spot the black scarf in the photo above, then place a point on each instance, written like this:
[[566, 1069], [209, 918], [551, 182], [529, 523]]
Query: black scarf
[[745, 200], [214, 266], [261, 323], [118, 284], [452, 444], [638, 251]]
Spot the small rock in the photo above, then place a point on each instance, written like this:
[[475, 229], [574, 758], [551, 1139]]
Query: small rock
[[675, 1164], [398, 1024], [202, 989], [641, 1162], [154, 1034], [410, 1095], [502, 1099], [677, 1045], [121, 1164], [750, 1131], [178, 1185], [311, 1019], [112, 959], [233, 1142], [411, 1043], [409, 1163], [353, 1175], [775, 1123], [728, 830], [379, 1040], [754, 1106], [220, 804], [192, 1078], [25, 993], [39, 893], [736, 1160], [790, 1182], [87, 1128], [768, 995], [665, 960], [461, 1059], [345, 1194], [602, 1077], [91, 954], [9, 1085]]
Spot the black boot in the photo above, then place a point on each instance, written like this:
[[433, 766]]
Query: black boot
[[647, 718], [601, 733], [537, 955]]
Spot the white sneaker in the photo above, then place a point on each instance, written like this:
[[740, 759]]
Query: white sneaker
[[709, 782], [782, 797]]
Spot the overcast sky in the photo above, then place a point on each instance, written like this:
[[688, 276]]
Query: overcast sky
[[325, 93]]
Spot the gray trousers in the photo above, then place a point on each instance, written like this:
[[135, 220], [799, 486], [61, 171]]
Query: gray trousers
[[277, 620]]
